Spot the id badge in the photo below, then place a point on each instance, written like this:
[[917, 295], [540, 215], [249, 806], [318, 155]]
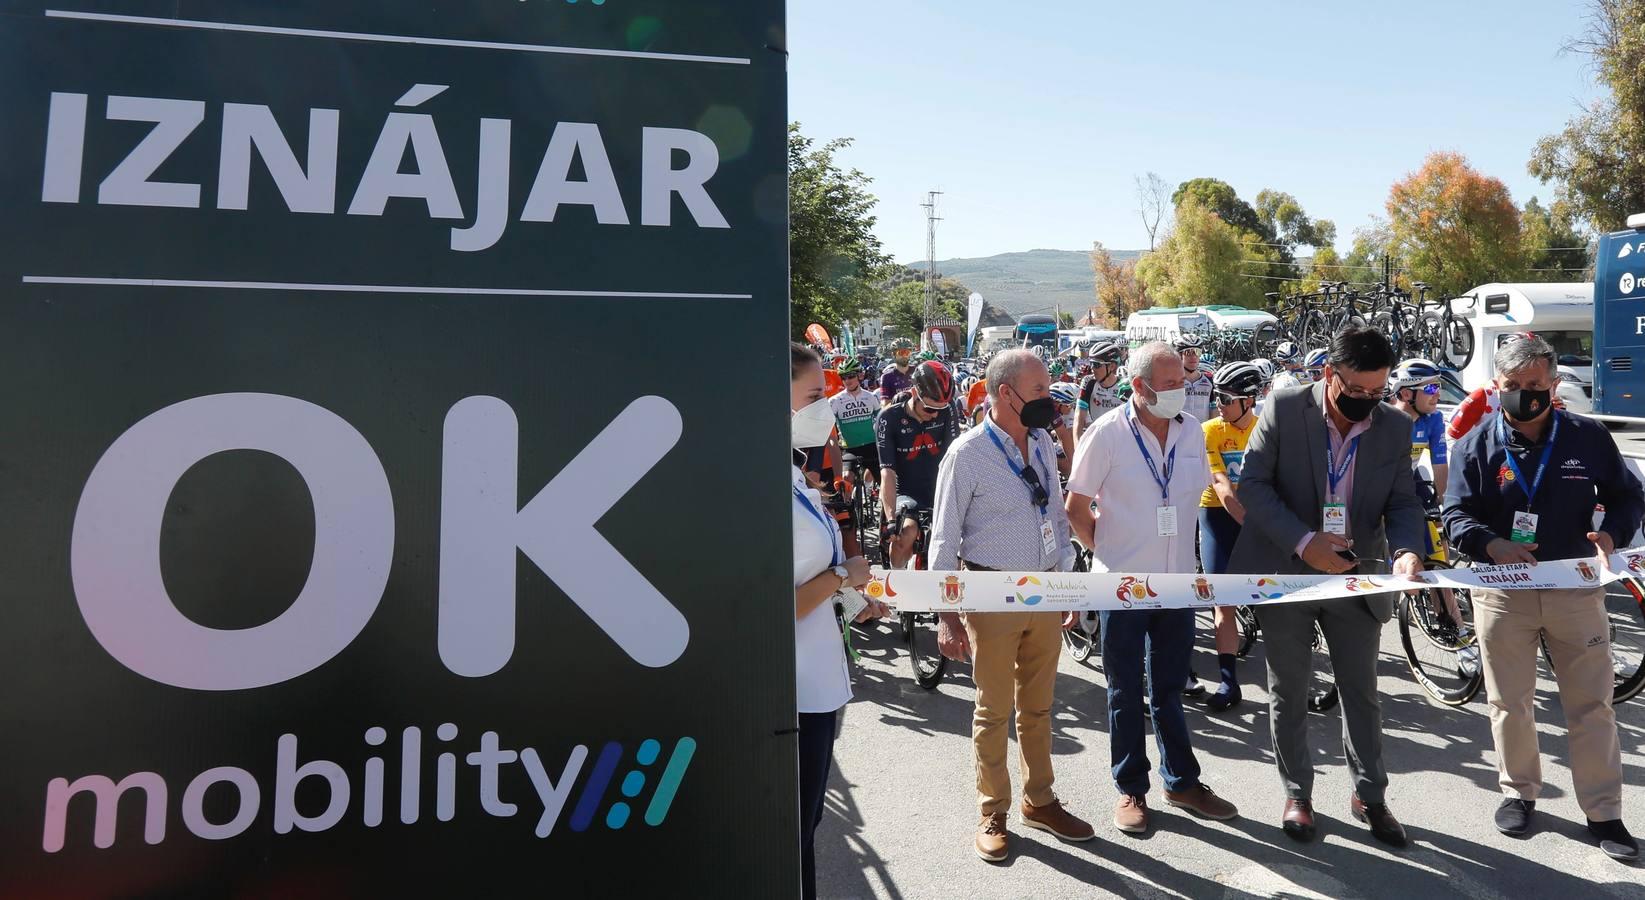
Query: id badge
[[1048, 537], [1524, 528], [1335, 518], [1166, 518]]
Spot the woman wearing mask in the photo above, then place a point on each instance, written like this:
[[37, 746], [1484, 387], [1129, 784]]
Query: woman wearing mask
[[821, 572], [1234, 393]]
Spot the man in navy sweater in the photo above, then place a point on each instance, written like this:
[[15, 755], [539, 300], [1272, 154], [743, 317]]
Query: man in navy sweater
[[1523, 489]]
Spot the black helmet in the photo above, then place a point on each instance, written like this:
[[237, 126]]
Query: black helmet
[[934, 382], [1241, 379], [1106, 353]]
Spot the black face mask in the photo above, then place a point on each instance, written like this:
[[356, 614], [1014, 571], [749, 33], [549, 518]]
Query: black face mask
[[1355, 409], [1526, 405], [1037, 413]]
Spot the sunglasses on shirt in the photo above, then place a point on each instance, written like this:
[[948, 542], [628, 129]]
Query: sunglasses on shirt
[[1036, 488]]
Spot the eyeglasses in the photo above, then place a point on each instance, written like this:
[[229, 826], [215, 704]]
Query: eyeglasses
[[1036, 489], [1225, 399], [1430, 389], [1360, 393], [932, 409]]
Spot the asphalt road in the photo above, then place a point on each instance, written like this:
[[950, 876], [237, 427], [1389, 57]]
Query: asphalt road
[[901, 805]]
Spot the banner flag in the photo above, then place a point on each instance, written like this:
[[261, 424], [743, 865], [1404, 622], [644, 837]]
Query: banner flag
[[978, 591], [973, 318]]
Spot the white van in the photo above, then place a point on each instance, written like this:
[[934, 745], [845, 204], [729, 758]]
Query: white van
[[1560, 313]]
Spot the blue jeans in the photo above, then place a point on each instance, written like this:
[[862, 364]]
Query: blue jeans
[[1148, 647]]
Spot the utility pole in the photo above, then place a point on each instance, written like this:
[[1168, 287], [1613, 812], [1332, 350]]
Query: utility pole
[[931, 220]]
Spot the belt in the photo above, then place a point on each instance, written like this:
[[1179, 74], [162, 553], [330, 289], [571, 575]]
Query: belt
[[976, 568]]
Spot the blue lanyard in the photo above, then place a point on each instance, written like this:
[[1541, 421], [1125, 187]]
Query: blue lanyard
[[1541, 467], [1170, 459], [827, 523], [1334, 472], [1015, 469]]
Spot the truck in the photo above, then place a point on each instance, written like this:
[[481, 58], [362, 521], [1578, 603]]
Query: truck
[[1166, 323]]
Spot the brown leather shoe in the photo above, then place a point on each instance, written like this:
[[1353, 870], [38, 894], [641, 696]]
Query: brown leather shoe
[[1131, 813], [1298, 820], [1053, 817], [993, 841], [1201, 801], [1384, 827]]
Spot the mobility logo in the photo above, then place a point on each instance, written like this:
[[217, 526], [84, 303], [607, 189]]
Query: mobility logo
[[553, 795], [1030, 600]]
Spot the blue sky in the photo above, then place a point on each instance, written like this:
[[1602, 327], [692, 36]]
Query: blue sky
[[1033, 117]]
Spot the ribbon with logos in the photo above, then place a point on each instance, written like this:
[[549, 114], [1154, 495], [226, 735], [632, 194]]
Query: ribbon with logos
[[979, 591]]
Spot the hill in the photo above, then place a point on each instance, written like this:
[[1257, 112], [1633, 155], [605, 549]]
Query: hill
[[1030, 281]]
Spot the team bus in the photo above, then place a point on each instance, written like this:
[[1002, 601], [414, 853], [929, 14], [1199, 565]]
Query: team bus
[[1037, 331], [1619, 321]]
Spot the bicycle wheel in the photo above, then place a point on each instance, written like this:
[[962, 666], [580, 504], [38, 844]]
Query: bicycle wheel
[[924, 656], [1247, 618], [1082, 639], [1443, 654], [1625, 601], [1323, 697], [1385, 322], [1459, 341]]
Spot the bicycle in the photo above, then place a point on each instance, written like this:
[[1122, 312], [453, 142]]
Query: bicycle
[[1442, 652], [1627, 612], [919, 629]]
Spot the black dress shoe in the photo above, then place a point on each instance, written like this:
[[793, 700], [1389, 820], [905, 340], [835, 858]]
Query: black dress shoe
[[1298, 821], [1614, 839], [1384, 827], [1513, 817]]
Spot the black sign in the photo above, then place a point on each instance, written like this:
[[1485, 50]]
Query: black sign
[[388, 505]]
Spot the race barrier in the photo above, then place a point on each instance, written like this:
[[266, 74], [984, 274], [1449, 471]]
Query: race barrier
[[978, 591]]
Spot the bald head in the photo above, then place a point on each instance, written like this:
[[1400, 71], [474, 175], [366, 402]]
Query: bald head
[[1013, 367]]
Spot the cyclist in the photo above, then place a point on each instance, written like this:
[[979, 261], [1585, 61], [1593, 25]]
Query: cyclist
[[912, 436], [1414, 390], [1065, 396], [1221, 515], [855, 409], [1267, 371], [894, 378], [976, 400], [1099, 391], [1195, 380], [1288, 359], [1313, 365]]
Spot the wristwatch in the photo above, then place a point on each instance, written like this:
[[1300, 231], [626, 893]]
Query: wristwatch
[[844, 573]]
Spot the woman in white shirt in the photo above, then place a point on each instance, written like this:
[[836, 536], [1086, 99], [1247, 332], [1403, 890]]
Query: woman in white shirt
[[820, 572]]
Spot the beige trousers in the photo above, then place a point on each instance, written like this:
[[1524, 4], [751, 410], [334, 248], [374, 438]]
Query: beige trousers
[[1579, 642], [1013, 662]]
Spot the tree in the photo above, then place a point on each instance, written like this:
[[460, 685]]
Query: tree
[[834, 259], [1065, 319], [1597, 164], [1453, 227], [903, 309], [1199, 262], [1554, 248], [1152, 202], [1373, 243], [1219, 197], [1119, 293]]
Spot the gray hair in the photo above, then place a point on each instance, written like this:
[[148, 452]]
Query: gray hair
[[1004, 368], [1141, 362], [1520, 353]]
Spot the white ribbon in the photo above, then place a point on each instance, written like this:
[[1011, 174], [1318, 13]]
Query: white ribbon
[[975, 591]]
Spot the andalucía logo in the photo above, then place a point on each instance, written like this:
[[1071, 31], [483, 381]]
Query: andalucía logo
[[1261, 594], [553, 794], [1031, 600]]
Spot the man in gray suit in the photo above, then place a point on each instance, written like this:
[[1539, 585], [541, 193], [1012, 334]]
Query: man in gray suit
[[1327, 489]]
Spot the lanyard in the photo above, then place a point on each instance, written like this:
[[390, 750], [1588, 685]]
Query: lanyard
[[1541, 467], [827, 523], [1336, 473], [1015, 469], [1170, 459]]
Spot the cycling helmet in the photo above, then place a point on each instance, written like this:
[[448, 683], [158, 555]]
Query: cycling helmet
[[1104, 353], [850, 366], [1265, 367], [934, 382], [1413, 373], [1286, 352], [1240, 379], [1315, 358], [1065, 393], [1187, 341], [1056, 368]]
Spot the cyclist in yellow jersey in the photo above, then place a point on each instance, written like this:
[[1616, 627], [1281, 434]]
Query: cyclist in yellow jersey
[[1234, 392]]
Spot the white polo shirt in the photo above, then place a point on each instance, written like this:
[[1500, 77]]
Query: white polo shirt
[[1109, 466]]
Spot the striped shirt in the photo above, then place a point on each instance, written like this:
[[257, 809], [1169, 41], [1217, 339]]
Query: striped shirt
[[984, 512]]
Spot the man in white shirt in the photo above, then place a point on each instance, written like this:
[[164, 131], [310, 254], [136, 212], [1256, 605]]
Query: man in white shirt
[[1144, 467]]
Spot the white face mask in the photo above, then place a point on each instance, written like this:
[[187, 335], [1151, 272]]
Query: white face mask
[[1168, 404], [811, 425]]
